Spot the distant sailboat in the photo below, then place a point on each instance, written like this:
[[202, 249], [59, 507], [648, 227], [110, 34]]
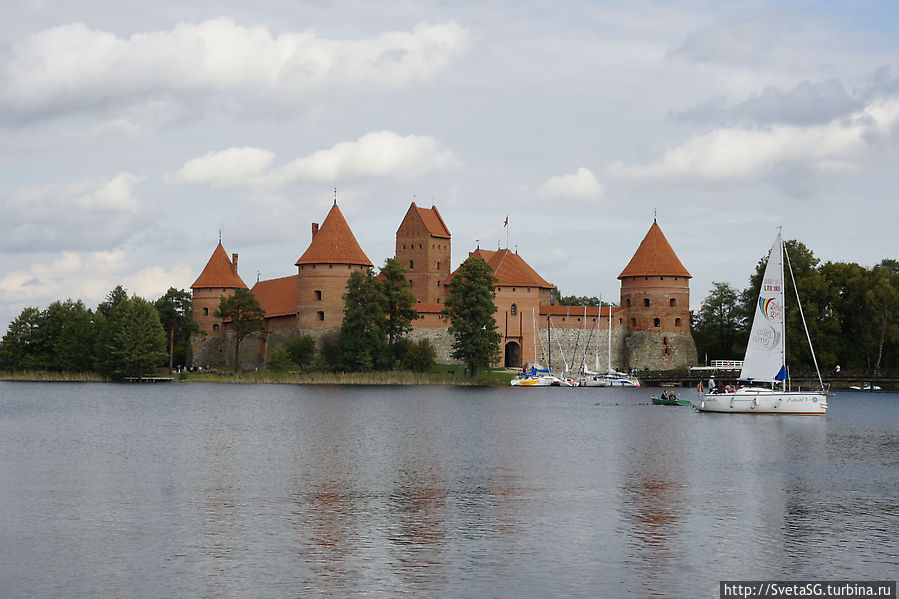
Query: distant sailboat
[[610, 378], [766, 356]]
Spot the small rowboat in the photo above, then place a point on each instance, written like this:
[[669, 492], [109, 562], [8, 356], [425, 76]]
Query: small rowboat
[[671, 401]]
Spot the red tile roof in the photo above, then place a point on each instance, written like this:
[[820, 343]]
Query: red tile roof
[[334, 243], [219, 272], [510, 269], [654, 257], [278, 297], [433, 221]]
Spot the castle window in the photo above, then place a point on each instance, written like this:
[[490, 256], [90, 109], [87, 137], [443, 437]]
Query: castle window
[[628, 302], [330, 266], [661, 278], [318, 294], [438, 265], [404, 246], [321, 315], [656, 323], [645, 302], [205, 311], [677, 322], [513, 309], [633, 323], [438, 283], [215, 327], [672, 303], [411, 264], [410, 282]]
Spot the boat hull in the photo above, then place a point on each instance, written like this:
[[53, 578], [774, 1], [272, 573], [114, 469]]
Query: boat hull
[[534, 381], [763, 401], [670, 402], [609, 381]]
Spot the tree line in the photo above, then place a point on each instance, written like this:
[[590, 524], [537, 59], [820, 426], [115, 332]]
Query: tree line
[[130, 336], [123, 336], [852, 313]]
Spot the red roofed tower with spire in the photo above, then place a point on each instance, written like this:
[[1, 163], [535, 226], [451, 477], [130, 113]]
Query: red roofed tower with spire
[[655, 297], [324, 269], [218, 279]]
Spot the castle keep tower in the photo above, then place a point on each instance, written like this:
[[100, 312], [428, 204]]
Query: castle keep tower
[[655, 297], [423, 246], [218, 279], [324, 269]]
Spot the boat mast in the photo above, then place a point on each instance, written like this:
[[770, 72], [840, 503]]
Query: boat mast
[[783, 351], [609, 371]]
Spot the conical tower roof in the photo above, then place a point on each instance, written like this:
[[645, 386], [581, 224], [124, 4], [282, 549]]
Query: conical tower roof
[[219, 272], [654, 258], [334, 243]]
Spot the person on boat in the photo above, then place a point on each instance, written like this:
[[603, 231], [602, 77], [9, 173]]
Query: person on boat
[[712, 385], [664, 394]]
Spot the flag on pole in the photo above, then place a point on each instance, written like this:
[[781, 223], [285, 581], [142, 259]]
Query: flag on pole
[[506, 224]]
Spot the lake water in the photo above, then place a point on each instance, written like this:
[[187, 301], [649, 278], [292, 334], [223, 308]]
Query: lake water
[[204, 490]]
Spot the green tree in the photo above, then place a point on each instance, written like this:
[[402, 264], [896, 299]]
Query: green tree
[[556, 297], [246, 315], [139, 337], [106, 324], [71, 336], [719, 326], [297, 351], [882, 305], [363, 334], [470, 309], [398, 299], [175, 314], [20, 347]]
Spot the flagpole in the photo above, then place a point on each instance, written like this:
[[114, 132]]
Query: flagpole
[[507, 231]]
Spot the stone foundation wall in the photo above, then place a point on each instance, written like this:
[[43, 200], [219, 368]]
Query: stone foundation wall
[[661, 351], [641, 350], [574, 343]]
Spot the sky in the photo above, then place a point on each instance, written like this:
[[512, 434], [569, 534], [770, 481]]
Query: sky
[[134, 134]]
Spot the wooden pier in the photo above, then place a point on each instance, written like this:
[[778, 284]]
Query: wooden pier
[[149, 379]]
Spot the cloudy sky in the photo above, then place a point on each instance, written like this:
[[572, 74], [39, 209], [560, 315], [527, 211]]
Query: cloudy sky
[[132, 133]]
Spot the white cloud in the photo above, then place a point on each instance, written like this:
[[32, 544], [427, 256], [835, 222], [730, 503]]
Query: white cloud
[[376, 154], [227, 168], [73, 67], [77, 275], [739, 153], [579, 185], [154, 281], [66, 216]]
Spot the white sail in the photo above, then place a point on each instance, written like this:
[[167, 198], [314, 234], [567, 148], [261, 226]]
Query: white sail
[[765, 351]]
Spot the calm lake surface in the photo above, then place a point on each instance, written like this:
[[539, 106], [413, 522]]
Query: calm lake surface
[[204, 490]]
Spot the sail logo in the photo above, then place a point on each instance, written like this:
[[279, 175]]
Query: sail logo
[[771, 309], [766, 338]]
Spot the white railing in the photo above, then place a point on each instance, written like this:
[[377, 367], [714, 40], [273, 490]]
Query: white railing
[[727, 364]]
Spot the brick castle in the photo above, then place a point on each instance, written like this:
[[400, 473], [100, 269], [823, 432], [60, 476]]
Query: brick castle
[[649, 329]]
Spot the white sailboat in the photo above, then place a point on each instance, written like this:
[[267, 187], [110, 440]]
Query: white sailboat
[[765, 361]]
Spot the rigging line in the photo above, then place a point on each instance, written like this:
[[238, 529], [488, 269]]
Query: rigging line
[[801, 315]]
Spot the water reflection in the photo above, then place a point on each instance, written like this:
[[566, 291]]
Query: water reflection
[[283, 491]]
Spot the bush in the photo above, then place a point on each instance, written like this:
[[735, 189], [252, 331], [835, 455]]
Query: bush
[[420, 356], [279, 359]]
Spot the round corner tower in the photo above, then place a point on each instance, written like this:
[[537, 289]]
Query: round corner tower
[[655, 300], [324, 269], [218, 279]]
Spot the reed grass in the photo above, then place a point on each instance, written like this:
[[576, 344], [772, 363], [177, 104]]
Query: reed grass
[[398, 377], [44, 376]]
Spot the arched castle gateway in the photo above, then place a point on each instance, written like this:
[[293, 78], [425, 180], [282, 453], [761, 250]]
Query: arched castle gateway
[[650, 329]]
